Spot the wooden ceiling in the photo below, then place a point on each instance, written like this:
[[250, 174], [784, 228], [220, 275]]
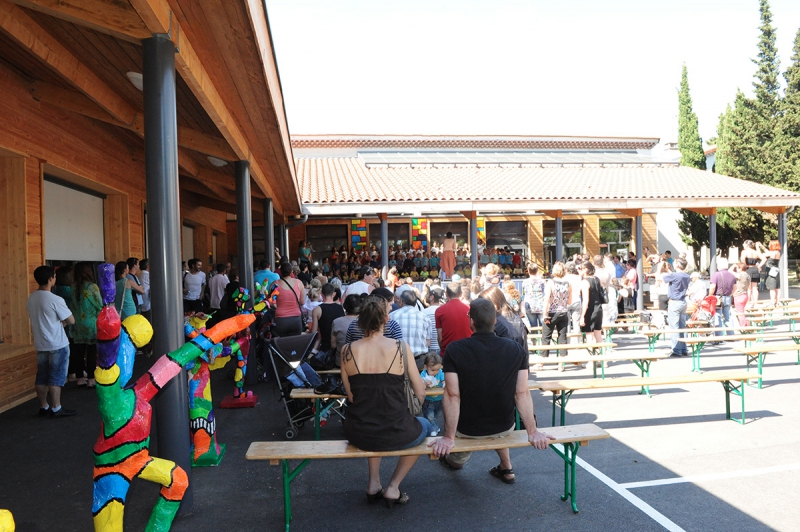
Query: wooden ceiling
[[76, 53]]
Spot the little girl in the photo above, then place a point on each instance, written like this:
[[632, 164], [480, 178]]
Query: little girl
[[326, 267], [434, 262], [433, 377]]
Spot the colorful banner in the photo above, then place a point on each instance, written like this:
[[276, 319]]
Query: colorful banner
[[358, 234], [419, 234]]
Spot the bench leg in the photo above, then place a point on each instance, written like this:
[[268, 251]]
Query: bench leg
[[288, 476], [753, 358], [730, 387], [696, 350], [561, 400], [651, 343], [569, 456], [644, 366]]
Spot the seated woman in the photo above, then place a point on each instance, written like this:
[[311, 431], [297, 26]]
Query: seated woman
[[378, 419]]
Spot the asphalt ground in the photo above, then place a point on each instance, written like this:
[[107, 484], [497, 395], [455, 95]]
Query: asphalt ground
[[693, 469]]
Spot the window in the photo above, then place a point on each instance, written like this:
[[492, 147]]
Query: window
[[511, 234], [323, 238], [572, 239], [616, 235], [73, 223], [438, 231], [398, 235]]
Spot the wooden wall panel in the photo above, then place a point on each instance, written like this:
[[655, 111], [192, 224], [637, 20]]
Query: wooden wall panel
[[35, 217], [14, 286], [117, 229], [203, 244]]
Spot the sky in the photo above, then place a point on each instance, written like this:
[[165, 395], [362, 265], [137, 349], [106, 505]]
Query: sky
[[495, 67]]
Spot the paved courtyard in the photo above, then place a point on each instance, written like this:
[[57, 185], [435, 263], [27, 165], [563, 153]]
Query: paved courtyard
[[672, 462]]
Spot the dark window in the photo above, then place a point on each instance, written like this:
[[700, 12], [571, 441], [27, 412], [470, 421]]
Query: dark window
[[438, 231], [513, 235], [398, 235], [572, 239], [616, 235], [324, 238]]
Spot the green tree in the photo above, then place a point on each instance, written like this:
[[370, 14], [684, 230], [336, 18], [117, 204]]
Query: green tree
[[693, 226], [689, 142]]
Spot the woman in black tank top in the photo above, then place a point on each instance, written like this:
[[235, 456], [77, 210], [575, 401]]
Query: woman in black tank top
[[378, 419]]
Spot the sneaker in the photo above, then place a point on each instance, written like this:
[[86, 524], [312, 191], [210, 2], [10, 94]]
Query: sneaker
[[44, 412], [62, 413], [434, 433]]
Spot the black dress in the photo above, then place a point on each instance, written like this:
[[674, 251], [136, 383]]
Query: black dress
[[772, 283], [752, 269], [593, 319], [378, 418]]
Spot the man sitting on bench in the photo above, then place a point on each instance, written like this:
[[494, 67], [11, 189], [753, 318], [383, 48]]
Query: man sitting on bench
[[492, 373]]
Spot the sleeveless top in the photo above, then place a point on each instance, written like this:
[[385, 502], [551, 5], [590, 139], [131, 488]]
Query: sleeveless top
[[123, 300], [559, 296], [378, 419], [595, 302], [449, 244], [329, 312]]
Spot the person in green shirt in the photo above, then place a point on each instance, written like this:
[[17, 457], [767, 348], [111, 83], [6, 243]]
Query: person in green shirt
[[85, 303]]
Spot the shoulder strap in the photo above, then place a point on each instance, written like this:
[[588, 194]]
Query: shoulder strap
[[295, 293], [399, 351], [349, 350]]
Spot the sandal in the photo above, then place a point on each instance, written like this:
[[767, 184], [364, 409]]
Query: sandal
[[375, 497], [501, 474], [402, 499]]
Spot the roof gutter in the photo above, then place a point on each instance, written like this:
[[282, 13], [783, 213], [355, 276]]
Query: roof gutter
[[303, 219]]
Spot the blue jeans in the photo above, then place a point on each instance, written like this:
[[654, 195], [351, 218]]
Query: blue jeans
[[431, 409], [676, 318], [426, 429], [51, 367], [723, 317], [534, 318]]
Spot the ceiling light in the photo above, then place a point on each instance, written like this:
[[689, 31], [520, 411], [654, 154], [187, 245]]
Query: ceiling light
[[136, 79], [217, 162]]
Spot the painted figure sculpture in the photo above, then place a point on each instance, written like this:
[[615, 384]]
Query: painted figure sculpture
[[121, 451]]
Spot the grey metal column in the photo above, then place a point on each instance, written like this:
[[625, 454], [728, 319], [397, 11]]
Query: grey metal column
[[384, 244], [639, 266], [559, 239], [783, 264], [269, 230], [244, 233], [283, 243], [712, 238], [473, 244], [164, 237]]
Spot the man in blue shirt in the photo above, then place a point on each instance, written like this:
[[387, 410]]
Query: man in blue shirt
[[265, 275], [619, 269], [678, 282]]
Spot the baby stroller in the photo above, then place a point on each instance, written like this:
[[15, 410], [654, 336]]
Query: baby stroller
[[705, 310], [289, 358]]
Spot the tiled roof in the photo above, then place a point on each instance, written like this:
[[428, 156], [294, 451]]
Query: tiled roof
[[426, 142], [345, 180]]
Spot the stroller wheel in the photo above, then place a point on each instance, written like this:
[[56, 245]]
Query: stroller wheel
[[290, 434], [300, 424]]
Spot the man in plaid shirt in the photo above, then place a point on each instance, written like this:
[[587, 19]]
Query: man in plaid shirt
[[415, 326]]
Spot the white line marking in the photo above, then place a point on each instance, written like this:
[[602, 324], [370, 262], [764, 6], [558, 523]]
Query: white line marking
[[654, 514], [713, 476]]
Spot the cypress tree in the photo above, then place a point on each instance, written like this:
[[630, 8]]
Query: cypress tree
[[766, 83], [689, 142]]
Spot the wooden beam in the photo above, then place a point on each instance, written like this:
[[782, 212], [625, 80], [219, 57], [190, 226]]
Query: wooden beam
[[554, 214], [112, 17], [633, 213], [78, 103], [469, 215], [15, 23], [156, 15], [772, 210], [705, 211]]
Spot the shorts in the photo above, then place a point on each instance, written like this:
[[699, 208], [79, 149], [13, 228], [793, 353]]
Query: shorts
[[593, 322], [192, 305], [459, 459], [51, 367]]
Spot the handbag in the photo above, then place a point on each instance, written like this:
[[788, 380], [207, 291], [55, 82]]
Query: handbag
[[773, 272], [414, 404], [302, 316]]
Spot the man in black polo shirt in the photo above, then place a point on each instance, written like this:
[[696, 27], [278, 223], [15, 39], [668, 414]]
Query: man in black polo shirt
[[485, 378]]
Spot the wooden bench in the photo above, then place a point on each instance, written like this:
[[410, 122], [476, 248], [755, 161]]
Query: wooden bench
[[653, 334], [757, 352], [594, 349], [536, 339], [698, 342], [280, 453], [562, 390], [641, 361]]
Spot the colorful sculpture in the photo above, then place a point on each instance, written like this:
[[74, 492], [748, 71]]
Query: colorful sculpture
[[6, 521], [206, 451], [122, 448]]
